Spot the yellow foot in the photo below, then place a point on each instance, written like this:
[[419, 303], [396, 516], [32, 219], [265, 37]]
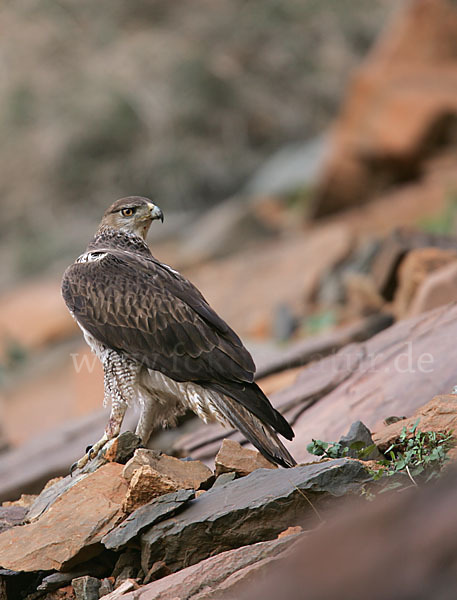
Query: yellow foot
[[90, 454]]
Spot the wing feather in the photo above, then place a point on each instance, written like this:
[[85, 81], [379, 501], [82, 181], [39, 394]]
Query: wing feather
[[136, 306]]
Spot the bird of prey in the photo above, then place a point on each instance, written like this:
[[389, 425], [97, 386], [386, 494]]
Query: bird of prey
[[160, 343]]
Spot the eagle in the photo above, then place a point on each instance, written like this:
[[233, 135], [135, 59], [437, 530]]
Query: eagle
[[161, 344]]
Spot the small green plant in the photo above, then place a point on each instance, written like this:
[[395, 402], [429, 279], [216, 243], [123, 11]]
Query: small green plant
[[414, 453], [337, 450]]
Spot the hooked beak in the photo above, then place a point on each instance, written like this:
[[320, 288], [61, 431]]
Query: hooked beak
[[155, 212]]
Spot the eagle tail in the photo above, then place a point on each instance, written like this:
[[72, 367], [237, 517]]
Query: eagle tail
[[251, 397], [260, 434]]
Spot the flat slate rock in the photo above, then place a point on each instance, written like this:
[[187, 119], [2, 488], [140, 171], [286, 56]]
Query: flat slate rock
[[218, 574], [145, 516], [251, 509]]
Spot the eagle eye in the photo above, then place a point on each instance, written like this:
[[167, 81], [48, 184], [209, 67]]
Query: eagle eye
[[128, 212]]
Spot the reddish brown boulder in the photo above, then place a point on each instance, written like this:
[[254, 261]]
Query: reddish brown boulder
[[413, 271], [146, 483], [438, 288], [395, 373], [189, 474], [398, 245], [233, 457], [440, 414], [398, 107], [57, 539]]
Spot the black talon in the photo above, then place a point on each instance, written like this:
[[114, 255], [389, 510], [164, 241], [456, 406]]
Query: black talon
[[73, 467]]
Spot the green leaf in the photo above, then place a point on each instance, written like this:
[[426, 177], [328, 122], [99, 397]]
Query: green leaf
[[358, 445], [366, 451]]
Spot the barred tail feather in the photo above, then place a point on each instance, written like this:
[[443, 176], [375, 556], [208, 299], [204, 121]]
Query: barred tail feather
[[251, 397], [261, 435]]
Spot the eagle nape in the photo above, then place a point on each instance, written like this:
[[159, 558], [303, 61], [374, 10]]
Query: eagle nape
[[160, 343]]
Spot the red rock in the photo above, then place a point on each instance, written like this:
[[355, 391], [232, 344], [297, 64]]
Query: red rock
[[233, 457], [146, 483], [438, 288], [440, 414], [216, 575], [63, 593], [398, 103], [396, 373], [121, 592], [397, 245], [290, 531], [59, 540], [412, 273], [185, 474], [29, 467]]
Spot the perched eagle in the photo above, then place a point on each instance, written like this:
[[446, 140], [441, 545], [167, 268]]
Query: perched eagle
[[159, 341]]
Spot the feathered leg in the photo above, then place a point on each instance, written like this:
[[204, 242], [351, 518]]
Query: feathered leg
[[119, 378], [112, 430]]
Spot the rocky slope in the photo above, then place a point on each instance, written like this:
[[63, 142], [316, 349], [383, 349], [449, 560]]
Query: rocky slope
[[361, 305], [171, 529]]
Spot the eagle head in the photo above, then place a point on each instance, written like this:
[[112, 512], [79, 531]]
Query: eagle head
[[133, 214]]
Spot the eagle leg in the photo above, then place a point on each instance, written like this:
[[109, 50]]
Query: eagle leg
[[112, 430]]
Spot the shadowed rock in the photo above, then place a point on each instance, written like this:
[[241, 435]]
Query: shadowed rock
[[247, 510], [146, 516]]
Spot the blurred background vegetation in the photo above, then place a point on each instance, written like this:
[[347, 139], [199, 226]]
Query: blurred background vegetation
[[178, 101]]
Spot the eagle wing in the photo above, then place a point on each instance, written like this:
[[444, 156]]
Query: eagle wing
[[144, 309]]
